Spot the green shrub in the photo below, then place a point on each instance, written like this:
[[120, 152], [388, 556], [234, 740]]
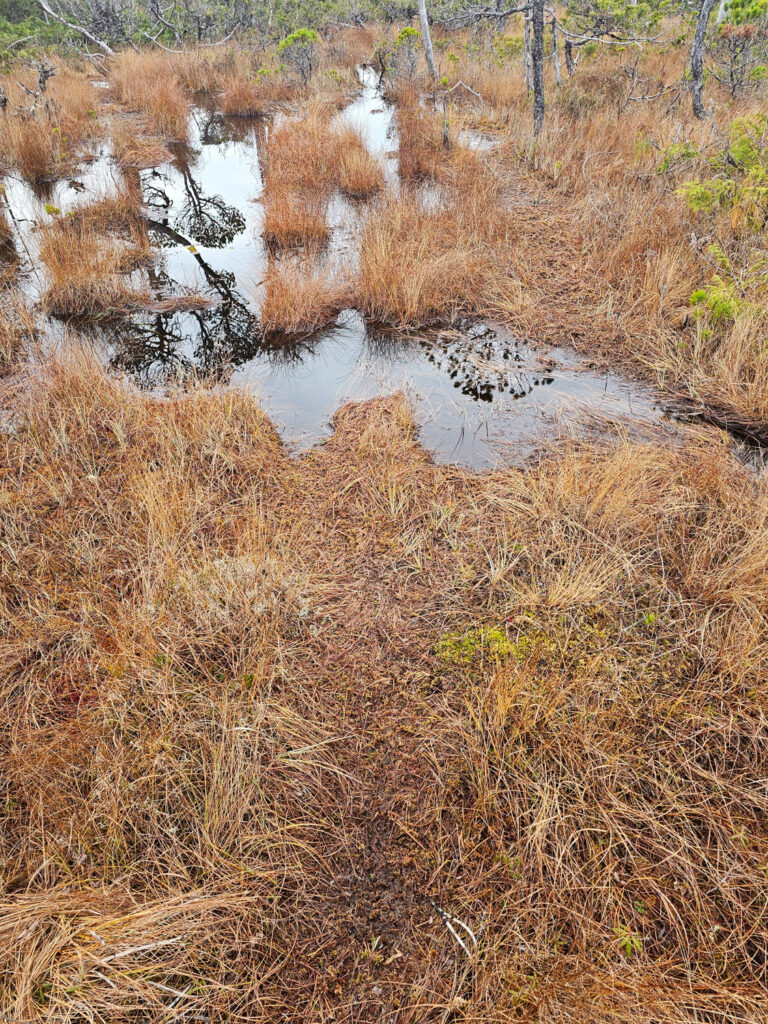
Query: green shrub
[[299, 52]]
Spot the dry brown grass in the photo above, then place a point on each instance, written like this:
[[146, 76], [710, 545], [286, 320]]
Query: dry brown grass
[[17, 330], [421, 146], [300, 297], [310, 156], [359, 174], [134, 147], [349, 47], [75, 94], [33, 146], [256, 710], [249, 97], [423, 263], [240, 98], [290, 220], [88, 255], [607, 254], [214, 70], [146, 82], [299, 155], [6, 230], [47, 136]]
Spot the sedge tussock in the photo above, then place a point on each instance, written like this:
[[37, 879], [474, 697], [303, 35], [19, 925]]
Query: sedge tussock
[[291, 220], [359, 174], [146, 82], [299, 299], [88, 255]]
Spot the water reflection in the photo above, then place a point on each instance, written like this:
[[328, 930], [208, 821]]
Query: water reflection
[[209, 340], [471, 385], [208, 219]]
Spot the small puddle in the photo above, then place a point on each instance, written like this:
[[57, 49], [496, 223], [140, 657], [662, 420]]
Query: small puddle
[[478, 391]]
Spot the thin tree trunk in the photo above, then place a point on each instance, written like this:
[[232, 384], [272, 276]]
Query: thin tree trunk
[[697, 58], [556, 54], [502, 22], [538, 65], [569, 61], [721, 12], [528, 59], [426, 37]]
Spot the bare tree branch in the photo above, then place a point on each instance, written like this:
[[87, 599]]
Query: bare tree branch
[[76, 28]]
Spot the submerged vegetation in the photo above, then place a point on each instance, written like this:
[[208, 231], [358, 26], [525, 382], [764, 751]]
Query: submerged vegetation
[[357, 736]]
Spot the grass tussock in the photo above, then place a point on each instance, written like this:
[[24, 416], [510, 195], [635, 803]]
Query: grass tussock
[[240, 99], [207, 69], [359, 174], [78, 99], [134, 147], [252, 97], [291, 220], [299, 155], [421, 144], [300, 299], [46, 137], [88, 256], [146, 82], [450, 257], [307, 158], [33, 146]]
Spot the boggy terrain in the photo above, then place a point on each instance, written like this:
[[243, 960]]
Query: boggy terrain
[[361, 735]]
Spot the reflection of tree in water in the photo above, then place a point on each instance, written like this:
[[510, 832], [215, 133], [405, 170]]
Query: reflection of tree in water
[[160, 346], [216, 128], [157, 347], [473, 358], [207, 219]]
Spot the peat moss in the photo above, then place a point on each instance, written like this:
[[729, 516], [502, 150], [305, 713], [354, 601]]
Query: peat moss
[[462, 648], [589, 641]]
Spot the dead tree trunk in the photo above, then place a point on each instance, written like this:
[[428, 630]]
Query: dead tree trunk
[[569, 61], [426, 37], [528, 59], [556, 54], [697, 58], [538, 65]]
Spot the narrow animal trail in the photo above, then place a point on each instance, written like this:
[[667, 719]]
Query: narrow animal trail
[[386, 953], [555, 301]]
